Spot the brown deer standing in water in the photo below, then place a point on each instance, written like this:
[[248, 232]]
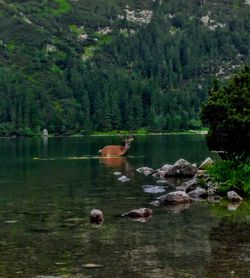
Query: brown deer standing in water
[[117, 150]]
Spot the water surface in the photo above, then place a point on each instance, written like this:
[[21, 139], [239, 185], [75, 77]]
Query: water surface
[[48, 187]]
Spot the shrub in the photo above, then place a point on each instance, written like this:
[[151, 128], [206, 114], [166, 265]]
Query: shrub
[[232, 176], [227, 112]]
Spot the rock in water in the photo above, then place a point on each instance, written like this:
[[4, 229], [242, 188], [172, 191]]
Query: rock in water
[[198, 193], [45, 133], [145, 170], [188, 185], [206, 164], [161, 181], [233, 206], [153, 189], [96, 216], [181, 168], [136, 213], [124, 179], [175, 198], [234, 197]]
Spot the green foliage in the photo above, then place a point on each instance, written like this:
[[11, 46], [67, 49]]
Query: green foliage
[[154, 78], [62, 8], [228, 114], [232, 176], [142, 131]]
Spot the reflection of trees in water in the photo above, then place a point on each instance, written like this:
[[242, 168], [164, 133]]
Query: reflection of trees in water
[[230, 250]]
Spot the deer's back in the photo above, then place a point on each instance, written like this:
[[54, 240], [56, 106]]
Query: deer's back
[[113, 150]]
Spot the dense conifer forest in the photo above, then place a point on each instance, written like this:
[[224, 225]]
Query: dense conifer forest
[[77, 66]]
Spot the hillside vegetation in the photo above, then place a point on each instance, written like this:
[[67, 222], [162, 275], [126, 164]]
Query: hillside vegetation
[[73, 66]]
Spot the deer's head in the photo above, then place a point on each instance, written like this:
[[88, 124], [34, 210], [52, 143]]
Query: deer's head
[[127, 140]]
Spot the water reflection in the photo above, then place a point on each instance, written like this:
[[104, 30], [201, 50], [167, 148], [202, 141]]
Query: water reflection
[[45, 206], [119, 164], [230, 250], [45, 141]]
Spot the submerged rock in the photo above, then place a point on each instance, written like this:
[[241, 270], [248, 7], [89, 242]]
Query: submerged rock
[[91, 265], [47, 276], [145, 170], [155, 203], [96, 216], [136, 213], [75, 220], [124, 179], [10, 221], [174, 198], [234, 197], [153, 189]]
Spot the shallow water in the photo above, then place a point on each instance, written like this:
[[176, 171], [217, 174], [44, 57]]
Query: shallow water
[[48, 187]]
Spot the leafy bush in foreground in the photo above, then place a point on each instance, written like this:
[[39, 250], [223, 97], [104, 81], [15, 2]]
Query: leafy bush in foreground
[[232, 176]]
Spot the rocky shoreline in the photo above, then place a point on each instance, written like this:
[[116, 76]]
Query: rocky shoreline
[[197, 186], [190, 183]]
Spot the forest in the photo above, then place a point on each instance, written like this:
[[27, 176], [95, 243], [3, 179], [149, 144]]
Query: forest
[[74, 67]]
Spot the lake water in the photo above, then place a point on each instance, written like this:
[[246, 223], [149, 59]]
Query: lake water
[[48, 187]]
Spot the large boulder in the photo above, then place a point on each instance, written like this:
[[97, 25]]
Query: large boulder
[[175, 198], [137, 213], [181, 168], [234, 197]]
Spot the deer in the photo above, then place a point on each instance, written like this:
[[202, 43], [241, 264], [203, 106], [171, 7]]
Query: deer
[[117, 150]]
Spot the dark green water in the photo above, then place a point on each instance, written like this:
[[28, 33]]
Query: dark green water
[[47, 189]]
